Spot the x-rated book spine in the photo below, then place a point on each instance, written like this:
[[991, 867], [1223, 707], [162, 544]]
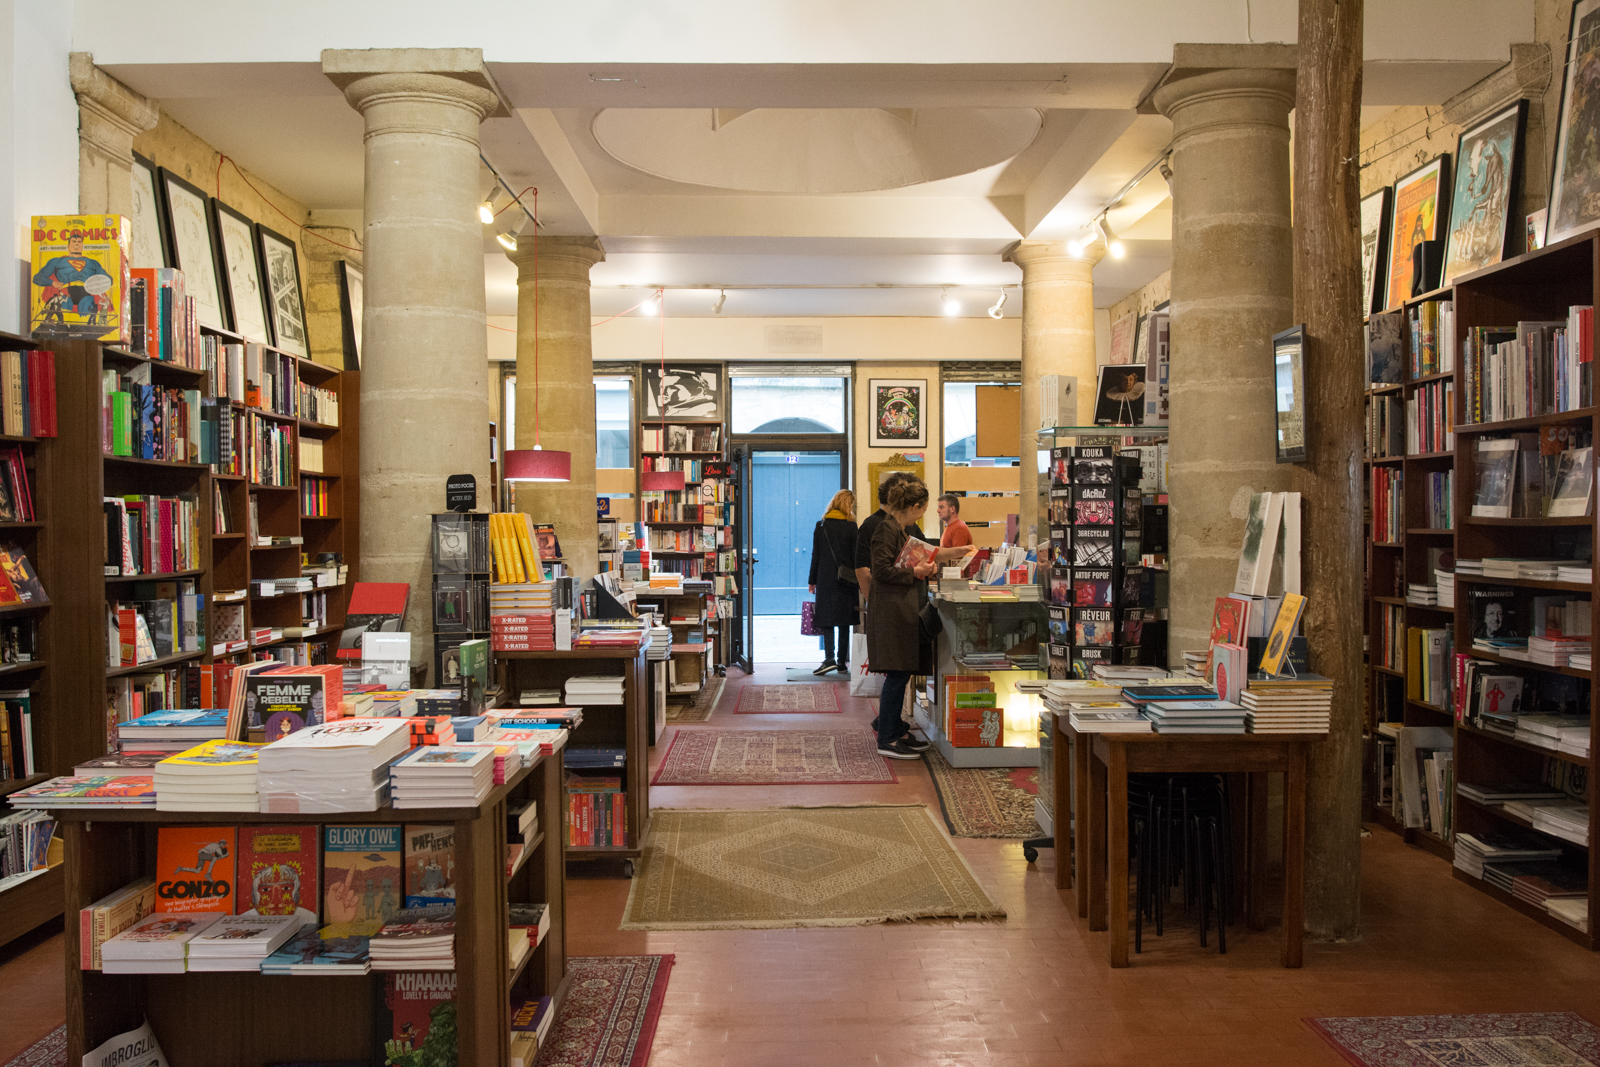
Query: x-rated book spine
[[195, 869], [362, 879], [278, 868]]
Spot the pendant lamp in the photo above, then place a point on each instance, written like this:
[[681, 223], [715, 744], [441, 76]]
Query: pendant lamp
[[661, 481], [536, 464]]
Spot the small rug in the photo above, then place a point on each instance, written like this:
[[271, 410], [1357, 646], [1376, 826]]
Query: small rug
[[700, 709], [49, 1051], [773, 757], [986, 801], [817, 698], [1528, 1039], [609, 1016], [790, 867]]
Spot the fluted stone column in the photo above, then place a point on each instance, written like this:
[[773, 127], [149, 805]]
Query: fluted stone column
[[424, 384], [555, 385], [110, 116], [1057, 338], [1232, 289]]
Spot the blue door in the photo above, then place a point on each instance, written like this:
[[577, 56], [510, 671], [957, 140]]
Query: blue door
[[789, 492]]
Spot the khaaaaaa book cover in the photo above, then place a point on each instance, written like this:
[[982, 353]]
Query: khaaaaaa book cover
[[415, 1022], [195, 869], [362, 879], [278, 867], [78, 277]]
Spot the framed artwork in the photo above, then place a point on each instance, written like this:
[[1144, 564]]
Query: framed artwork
[[1289, 393], [193, 247], [149, 245], [683, 392], [1416, 216], [1374, 249], [1141, 341], [1120, 399], [241, 271], [1488, 166], [280, 271], [899, 412], [1575, 173], [352, 300]]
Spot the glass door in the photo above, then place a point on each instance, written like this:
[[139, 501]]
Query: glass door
[[744, 631]]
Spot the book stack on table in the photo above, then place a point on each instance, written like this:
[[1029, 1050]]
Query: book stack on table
[[1302, 705], [1107, 717], [212, 776], [156, 944], [1196, 716], [442, 776], [338, 948], [416, 939], [241, 942], [172, 730], [339, 766]]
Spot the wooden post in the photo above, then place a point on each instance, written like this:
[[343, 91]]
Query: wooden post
[[1327, 283]]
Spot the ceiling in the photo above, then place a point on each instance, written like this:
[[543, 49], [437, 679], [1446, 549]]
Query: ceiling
[[805, 169]]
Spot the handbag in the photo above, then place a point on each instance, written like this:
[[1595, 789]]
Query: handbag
[[808, 619], [844, 575]]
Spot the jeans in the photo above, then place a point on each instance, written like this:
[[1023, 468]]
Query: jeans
[[843, 658], [890, 725]]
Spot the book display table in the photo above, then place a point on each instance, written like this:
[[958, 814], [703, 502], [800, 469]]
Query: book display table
[[1098, 791]]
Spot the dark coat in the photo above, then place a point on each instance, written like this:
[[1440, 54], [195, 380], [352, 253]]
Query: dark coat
[[836, 602], [894, 641]]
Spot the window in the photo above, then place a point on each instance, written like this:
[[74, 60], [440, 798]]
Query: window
[[789, 405], [613, 420], [961, 425]]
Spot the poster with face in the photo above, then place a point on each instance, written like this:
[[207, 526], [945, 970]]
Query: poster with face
[[1415, 219], [898, 415], [1487, 163], [684, 392], [1374, 248], [241, 268], [1575, 177]]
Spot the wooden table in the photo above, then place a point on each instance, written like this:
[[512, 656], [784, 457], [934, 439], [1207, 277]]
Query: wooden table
[[1101, 763]]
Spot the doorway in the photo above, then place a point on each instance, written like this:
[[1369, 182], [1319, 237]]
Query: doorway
[[790, 488]]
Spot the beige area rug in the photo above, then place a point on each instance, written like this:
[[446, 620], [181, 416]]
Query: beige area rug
[[700, 709], [789, 867]]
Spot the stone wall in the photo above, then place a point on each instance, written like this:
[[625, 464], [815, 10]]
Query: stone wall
[[1141, 301]]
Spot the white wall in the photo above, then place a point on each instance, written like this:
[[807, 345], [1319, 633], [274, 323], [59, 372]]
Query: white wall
[[38, 136]]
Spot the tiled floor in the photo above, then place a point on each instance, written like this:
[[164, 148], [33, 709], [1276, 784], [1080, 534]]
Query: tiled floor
[[1032, 990]]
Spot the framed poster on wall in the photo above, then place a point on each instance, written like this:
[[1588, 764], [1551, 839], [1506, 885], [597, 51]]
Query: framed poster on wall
[[149, 245], [1374, 249], [682, 392], [241, 271], [898, 407], [1421, 200], [1488, 169], [192, 244], [1575, 173], [280, 270]]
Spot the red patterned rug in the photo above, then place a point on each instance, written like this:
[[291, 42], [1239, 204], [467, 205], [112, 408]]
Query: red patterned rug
[[1529, 1039], [986, 801], [816, 698], [773, 757], [49, 1051], [610, 1014]]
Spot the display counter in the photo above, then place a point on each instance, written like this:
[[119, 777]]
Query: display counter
[[983, 651]]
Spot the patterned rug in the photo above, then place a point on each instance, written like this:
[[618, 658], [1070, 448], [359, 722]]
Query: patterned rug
[[816, 698], [610, 1014], [791, 867], [1532, 1039], [49, 1051], [700, 709], [986, 801], [773, 757]]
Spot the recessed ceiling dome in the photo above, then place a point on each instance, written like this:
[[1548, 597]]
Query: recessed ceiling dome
[[813, 150]]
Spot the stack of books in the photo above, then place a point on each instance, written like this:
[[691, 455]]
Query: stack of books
[[88, 791], [1560, 733], [1575, 572], [591, 689], [212, 776], [531, 1019], [432, 730], [660, 642], [1302, 705], [1445, 582], [172, 730], [1555, 651], [984, 661], [539, 698], [338, 766], [1421, 593], [416, 939], [156, 944], [1494, 796], [1566, 819], [240, 942], [1581, 661], [391, 704], [1475, 850], [529, 630], [1194, 662], [442, 776], [1541, 570], [1195, 716], [1107, 717], [339, 948], [1540, 883], [609, 637], [1469, 566], [1574, 911], [445, 702]]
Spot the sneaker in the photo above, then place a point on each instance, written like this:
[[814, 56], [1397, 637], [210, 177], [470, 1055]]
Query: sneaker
[[825, 668], [914, 743], [898, 750], [842, 668]]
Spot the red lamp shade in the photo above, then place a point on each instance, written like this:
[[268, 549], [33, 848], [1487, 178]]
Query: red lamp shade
[[661, 481], [537, 465]]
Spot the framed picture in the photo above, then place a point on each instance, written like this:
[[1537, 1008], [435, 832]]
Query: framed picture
[[899, 412], [241, 271], [1374, 249], [1575, 172], [351, 302], [148, 247], [1488, 170], [1141, 340], [1120, 399], [1419, 200], [280, 270], [192, 246], [1289, 392], [1122, 339], [683, 392]]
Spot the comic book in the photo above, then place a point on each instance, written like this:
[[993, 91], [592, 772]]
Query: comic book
[[278, 868], [195, 869], [78, 278], [430, 865], [362, 878], [415, 1019]]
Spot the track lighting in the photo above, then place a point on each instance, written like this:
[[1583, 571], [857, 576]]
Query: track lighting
[[486, 209], [952, 306], [651, 306], [1113, 245], [996, 312], [722, 298], [508, 240]]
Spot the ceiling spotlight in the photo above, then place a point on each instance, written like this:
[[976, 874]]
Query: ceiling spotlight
[[1114, 246], [508, 240], [952, 306], [650, 307], [722, 298], [486, 209], [995, 312]]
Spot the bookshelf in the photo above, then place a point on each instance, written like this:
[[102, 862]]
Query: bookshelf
[[240, 1019]]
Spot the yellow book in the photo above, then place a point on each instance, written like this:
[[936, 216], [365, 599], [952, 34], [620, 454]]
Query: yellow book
[[1282, 633], [217, 753], [505, 550], [79, 280], [495, 549], [530, 555]]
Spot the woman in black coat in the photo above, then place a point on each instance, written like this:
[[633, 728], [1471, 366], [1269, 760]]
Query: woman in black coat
[[833, 542], [894, 603]]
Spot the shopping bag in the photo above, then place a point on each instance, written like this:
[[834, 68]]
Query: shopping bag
[[862, 683], [808, 619]]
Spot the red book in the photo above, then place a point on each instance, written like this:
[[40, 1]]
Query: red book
[[278, 867]]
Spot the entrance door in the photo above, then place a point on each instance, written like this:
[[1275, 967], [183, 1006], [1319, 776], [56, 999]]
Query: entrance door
[[744, 644]]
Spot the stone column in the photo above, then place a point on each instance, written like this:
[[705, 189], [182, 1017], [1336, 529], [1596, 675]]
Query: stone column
[[324, 305], [424, 381], [110, 116], [555, 385], [1057, 338], [1232, 289]]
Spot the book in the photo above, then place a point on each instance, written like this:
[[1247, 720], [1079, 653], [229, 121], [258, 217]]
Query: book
[[91, 791], [1283, 629], [415, 1023], [362, 873], [1574, 483], [157, 943], [240, 942], [375, 607], [430, 865], [135, 1048], [338, 948], [79, 277], [195, 869], [1260, 544], [278, 868], [1496, 463], [110, 915], [1228, 621]]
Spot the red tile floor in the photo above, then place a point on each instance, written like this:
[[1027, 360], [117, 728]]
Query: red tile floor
[[1032, 990]]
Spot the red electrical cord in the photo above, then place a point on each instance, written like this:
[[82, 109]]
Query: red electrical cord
[[535, 315], [227, 159]]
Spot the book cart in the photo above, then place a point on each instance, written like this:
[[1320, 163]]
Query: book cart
[[604, 725], [244, 1019]]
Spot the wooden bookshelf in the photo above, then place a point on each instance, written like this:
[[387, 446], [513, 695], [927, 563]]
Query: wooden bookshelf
[[242, 1019]]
